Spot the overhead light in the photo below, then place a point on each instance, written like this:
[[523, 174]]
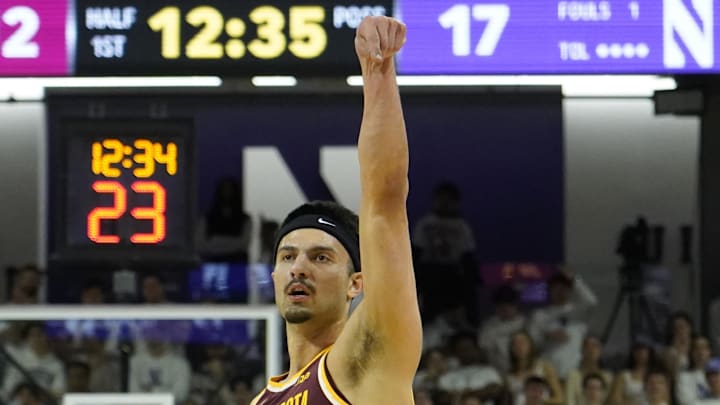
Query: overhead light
[[33, 88], [274, 81], [616, 86], [572, 86]]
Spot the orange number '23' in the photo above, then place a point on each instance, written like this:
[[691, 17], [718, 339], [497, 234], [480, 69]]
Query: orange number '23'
[[156, 213]]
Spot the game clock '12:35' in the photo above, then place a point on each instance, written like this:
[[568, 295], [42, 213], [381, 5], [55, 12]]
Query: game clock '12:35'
[[307, 36]]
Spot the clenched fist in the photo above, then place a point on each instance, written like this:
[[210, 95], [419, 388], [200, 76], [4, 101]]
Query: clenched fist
[[378, 38]]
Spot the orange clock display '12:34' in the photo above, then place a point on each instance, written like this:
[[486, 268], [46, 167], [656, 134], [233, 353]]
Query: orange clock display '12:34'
[[109, 158]]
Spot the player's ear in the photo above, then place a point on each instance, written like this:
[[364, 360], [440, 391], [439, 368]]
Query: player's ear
[[355, 285]]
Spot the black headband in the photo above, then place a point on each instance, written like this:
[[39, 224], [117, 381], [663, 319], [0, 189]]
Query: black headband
[[347, 238]]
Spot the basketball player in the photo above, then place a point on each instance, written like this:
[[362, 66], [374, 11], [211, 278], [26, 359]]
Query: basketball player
[[370, 356]]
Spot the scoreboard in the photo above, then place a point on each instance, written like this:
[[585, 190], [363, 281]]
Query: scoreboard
[[199, 37], [122, 190], [314, 38]]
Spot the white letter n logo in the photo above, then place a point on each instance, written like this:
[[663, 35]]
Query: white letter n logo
[[697, 39]]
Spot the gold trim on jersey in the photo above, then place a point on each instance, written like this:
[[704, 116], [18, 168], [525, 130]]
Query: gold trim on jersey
[[325, 385], [274, 384]]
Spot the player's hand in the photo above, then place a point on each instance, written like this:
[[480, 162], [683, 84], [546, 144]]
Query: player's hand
[[378, 38]]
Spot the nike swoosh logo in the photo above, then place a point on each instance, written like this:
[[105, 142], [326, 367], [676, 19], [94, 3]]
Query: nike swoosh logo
[[325, 222]]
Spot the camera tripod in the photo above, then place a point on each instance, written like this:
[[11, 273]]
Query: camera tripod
[[639, 310]]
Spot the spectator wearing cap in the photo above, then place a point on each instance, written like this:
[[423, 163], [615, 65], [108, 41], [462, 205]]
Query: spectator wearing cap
[[712, 374], [495, 332], [691, 384], [559, 328]]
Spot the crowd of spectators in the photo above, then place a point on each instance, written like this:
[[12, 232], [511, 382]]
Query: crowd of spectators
[[510, 354]]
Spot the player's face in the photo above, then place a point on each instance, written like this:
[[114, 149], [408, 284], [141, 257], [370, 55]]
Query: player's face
[[312, 277]]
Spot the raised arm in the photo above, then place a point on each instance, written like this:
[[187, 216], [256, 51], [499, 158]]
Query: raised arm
[[385, 331]]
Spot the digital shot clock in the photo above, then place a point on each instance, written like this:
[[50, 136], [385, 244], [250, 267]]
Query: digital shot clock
[[122, 190]]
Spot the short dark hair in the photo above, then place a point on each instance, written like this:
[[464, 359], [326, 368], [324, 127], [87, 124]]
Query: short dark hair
[[241, 379], [153, 274], [560, 279], [534, 379], [94, 283], [449, 189], [670, 325], [461, 335], [506, 294], [593, 376], [659, 370], [24, 385], [641, 344], [78, 364], [30, 326]]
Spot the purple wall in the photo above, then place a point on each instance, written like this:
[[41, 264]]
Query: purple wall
[[504, 151]]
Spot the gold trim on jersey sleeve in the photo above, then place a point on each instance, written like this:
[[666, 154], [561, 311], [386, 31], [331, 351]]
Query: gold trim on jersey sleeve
[[325, 385]]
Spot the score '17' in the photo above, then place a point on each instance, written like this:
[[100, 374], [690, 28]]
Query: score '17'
[[459, 18]]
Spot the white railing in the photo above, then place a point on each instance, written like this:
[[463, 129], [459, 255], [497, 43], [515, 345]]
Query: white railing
[[268, 313]]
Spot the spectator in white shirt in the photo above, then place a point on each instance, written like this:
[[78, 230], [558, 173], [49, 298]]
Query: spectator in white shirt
[[629, 384], [472, 374], [159, 370], [559, 327], [691, 384], [496, 331], [39, 361]]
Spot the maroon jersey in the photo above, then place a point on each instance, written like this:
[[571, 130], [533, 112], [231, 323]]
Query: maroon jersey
[[312, 385]]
